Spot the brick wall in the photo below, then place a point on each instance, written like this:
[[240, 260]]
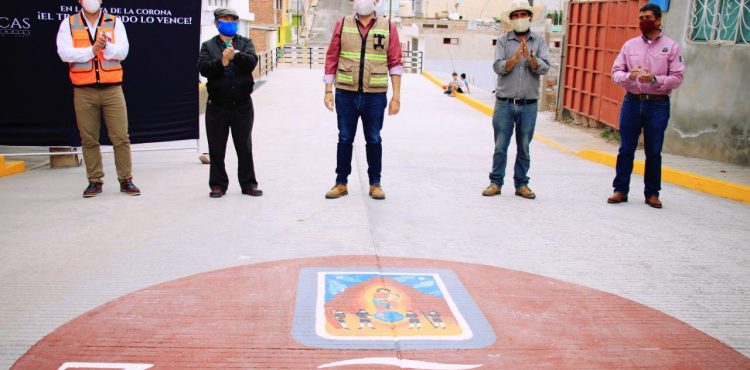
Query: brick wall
[[264, 11], [259, 39]]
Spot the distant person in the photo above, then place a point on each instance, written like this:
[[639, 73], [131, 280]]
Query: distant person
[[463, 85], [94, 43], [649, 67], [452, 86], [227, 60], [521, 57], [364, 50]]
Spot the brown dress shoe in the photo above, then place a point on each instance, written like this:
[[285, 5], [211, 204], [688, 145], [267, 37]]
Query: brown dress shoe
[[618, 197], [525, 192], [252, 191], [337, 191], [216, 192], [653, 201], [93, 189], [127, 187], [492, 189]]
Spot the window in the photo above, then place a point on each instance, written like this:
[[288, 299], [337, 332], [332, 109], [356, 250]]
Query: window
[[720, 21], [450, 41], [219, 3]]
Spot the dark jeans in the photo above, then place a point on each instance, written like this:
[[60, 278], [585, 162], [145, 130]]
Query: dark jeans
[[651, 117], [350, 106], [505, 118], [219, 120]]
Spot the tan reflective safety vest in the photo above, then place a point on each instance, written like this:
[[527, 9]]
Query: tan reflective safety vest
[[363, 61], [97, 70]]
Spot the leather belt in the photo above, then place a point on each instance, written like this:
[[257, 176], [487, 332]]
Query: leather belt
[[648, 96], [518, 101]]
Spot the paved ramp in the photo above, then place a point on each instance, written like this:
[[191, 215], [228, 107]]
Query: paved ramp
[[326, 16]]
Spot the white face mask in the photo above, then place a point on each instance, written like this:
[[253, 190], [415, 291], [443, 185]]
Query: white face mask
[[521, 25], [364, 7], [91, 6]]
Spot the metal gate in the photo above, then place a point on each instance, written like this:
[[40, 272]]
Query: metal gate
[[596, 32]]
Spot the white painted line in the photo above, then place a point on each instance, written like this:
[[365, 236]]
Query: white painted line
[[409, 364], [104, 365]]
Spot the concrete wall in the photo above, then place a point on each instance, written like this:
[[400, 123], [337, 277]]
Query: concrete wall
[[711, 110]]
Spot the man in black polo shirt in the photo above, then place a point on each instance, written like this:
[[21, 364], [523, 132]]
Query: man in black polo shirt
[[228, 60]]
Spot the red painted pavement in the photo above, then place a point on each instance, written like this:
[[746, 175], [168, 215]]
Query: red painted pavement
[[241, 318]]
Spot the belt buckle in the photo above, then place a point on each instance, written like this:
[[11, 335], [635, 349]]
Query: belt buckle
[[646, 97], [515, 101]]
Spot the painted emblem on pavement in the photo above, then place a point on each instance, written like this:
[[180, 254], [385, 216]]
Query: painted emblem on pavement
[[368, 309]]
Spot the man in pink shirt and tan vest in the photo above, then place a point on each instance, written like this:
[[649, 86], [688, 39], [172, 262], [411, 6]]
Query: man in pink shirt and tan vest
[[649, 67], [364, 51]]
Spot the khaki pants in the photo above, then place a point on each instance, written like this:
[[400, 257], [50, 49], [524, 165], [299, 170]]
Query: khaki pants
[[90, 103]]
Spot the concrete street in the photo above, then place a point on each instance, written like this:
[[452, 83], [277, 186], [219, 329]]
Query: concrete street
[[64, 255]]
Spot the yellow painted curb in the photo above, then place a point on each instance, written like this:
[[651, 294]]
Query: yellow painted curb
[[476, 104], [8, 168], [689, 180], [488, 110]]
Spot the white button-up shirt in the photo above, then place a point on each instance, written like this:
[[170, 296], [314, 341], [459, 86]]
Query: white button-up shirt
[[113, 51]]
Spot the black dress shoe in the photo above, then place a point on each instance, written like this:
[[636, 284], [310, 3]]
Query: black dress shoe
[[252, 191], [216, 192]]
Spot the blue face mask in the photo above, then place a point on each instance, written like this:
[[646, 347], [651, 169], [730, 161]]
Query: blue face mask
[[228, 29]]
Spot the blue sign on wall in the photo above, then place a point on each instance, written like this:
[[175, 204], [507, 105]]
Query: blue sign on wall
[[663, 4]]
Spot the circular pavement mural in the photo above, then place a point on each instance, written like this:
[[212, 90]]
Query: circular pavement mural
[[368, 312]]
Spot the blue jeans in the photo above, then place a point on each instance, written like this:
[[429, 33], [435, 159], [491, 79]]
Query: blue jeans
[[506, 116], [350, 106], [651, 117]]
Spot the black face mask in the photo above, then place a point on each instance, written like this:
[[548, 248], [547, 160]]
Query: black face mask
[[647, 26]]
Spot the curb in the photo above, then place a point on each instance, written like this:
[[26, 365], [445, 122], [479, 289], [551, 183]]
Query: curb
[[688, 180], [8, 168]]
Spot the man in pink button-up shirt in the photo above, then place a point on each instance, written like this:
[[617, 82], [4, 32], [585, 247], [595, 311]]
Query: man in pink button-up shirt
[[649, 67]]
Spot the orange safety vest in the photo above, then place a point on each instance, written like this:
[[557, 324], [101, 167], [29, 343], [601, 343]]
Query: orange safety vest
[[97, 70]]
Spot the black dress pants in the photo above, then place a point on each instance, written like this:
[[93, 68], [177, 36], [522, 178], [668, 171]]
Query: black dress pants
[[238, 117]]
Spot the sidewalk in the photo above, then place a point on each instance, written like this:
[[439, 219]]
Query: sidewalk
[[64, 256], [578, 138]]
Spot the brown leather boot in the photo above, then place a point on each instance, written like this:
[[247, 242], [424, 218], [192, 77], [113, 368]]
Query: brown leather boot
[[492, 189], [653, 201], [337, 191], [525, 192], [127, 187], [93, 189], [618, 197], [376, 192]]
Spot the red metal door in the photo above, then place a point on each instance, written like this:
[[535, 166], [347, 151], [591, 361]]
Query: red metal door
[[596, 32]]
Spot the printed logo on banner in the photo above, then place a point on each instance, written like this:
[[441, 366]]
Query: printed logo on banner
[[15, 26]]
